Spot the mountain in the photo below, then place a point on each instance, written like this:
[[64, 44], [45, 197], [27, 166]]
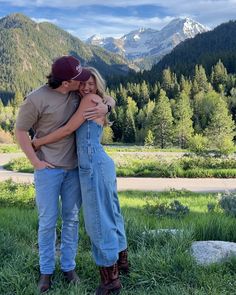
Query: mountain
[[27, 49], [151, 45], [205, 49]]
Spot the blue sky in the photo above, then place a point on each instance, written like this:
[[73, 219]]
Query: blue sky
[[84, 18]]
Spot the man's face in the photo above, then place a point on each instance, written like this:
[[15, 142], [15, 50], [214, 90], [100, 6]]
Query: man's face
[[73, 85]]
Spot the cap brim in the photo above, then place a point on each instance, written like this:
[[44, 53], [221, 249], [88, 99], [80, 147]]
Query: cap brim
[[84, 75]]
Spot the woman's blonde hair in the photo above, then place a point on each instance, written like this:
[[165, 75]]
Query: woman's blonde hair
[[100, 83], [101, 88]]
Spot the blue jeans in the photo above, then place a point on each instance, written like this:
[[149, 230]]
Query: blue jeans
[[50, 184]]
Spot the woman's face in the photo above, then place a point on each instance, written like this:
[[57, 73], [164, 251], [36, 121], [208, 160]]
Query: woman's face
[[88, 87]]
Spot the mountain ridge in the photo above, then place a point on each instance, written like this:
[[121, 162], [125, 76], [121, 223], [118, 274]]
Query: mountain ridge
[[148, 43], [27, 50]]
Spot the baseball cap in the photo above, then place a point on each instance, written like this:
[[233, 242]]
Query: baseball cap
[[68, 68]]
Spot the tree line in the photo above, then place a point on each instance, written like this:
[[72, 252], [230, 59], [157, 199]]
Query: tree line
[[197, 112]]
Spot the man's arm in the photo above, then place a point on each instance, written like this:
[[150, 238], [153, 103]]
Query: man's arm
[[100, 110], [75, 122], [25, 144]]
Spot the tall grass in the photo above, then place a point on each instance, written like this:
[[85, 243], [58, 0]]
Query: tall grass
[[160, 264], [156, 165]]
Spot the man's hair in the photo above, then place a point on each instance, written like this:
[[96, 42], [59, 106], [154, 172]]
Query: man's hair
[[53, 82]]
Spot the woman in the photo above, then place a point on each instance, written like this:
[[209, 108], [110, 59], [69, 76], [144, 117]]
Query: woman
[[103, 220]]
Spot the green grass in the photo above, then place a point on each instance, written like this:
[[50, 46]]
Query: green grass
[[21, 164], [9, 148], [137, 148], [145, 164], [160, 264]]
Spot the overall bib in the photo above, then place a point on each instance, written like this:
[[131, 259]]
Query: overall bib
[[103, 220]]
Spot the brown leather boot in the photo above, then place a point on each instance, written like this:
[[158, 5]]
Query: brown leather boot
[[123, 264], [110, 282], [45, 282], [71, 277]]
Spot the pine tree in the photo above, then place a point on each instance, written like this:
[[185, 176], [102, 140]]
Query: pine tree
[[129, 128], [169, 83], [132, 106], [143, 121], [183, 120], [219, 77], [200, 82], [121, 95], [107, 137], [185, 85], [166, 80], [162, 121], [117, 117], [149, 139], [221, 129], [17, 100], [204, 104]]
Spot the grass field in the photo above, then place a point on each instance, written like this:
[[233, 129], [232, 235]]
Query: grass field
[[160, 264], [157, 164]]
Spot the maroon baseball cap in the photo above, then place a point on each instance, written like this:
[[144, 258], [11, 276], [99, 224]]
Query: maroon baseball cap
[[68, 68]]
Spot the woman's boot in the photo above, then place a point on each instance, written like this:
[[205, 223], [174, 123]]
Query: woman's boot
[[123, 264], [110, 282]]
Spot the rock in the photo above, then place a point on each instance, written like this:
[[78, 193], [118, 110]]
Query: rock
[[207, 252]]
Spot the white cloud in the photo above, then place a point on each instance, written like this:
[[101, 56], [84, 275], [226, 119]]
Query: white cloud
[[41, 20], [207, 12], [171, 4], [116, 27]]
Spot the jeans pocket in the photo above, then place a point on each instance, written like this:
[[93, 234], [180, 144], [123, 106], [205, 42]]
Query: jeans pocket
[[38, 170], [85, 170]]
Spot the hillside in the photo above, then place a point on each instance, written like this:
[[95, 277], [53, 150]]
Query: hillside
[[205, 49], [28, 48]]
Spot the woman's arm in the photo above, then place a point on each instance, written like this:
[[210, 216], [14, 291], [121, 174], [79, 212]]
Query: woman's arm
[[75, 122], [110, 100], [101, 109]]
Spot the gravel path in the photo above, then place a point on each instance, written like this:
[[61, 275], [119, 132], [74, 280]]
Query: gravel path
[[134, 183]]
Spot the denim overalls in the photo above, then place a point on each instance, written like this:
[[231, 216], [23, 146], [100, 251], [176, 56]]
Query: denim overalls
[[103, 220]]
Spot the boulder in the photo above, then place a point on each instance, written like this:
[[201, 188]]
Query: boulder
[[207, 252]]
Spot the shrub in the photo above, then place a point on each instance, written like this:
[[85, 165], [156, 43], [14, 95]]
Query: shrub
[[9, 148], [211, 207], [17, 195], [228, 203], [198, 144], [20, 164], [174, 209], [5, 137]]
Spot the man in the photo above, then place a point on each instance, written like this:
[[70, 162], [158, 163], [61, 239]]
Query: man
[[46, 109]]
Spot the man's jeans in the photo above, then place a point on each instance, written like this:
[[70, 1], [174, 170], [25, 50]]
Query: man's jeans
[[50, 184]]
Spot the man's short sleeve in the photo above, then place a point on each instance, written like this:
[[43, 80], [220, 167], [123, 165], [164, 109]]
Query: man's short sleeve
[[27, 116]]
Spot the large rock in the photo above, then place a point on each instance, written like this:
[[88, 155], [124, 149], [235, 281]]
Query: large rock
[[207, 252]]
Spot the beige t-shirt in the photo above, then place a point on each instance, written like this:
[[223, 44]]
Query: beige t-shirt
[[46, 110]]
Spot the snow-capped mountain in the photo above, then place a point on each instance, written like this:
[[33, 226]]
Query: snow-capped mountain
[[150, 43]]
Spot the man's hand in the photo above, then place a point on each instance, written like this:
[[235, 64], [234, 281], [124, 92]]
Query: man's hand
[[39, 165], [96, 112], [35, 144]]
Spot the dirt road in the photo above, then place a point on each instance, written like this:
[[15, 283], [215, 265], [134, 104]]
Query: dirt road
[[142, 184]]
